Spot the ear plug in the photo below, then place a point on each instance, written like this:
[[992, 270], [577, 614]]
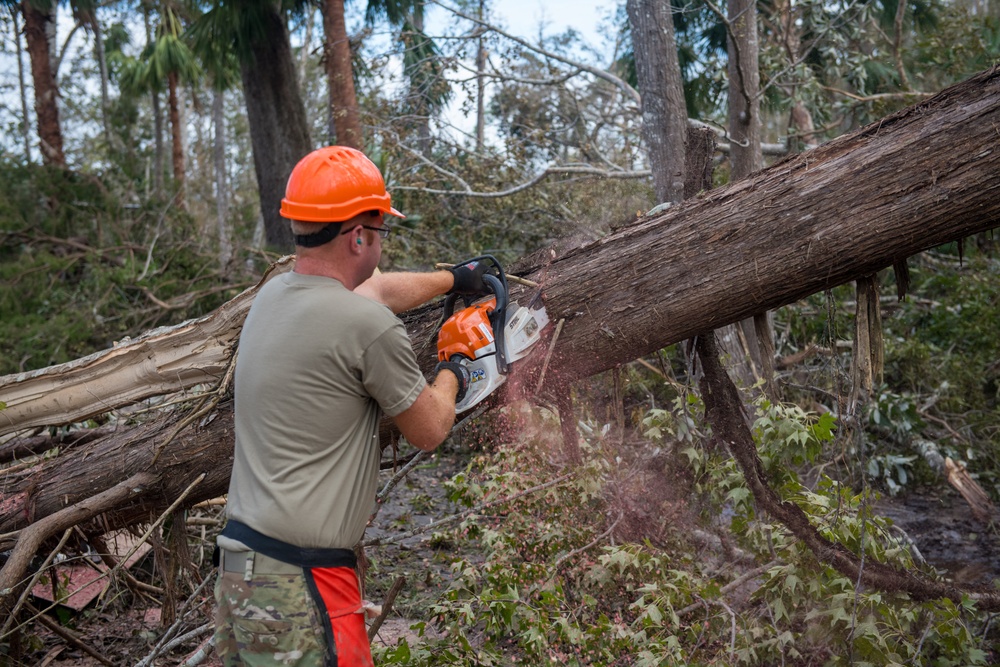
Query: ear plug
[[359, 241]]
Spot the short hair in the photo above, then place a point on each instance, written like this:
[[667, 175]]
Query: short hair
[[300, 228]]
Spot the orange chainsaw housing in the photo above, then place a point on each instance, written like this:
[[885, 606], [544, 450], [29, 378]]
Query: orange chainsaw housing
[[468, 332]]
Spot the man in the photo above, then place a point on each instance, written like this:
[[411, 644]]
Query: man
[[321, 356]]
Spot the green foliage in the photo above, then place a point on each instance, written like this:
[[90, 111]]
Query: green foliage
[[78, 268], [941, 376], [552, 586], [941, 352], [169, 55]]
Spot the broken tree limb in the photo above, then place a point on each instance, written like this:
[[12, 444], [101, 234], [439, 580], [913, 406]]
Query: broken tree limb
[[13, 612], [31, 446], [390, 598], [979, 501], [71, 637], [724, 411], [161, 361], [33, 537]]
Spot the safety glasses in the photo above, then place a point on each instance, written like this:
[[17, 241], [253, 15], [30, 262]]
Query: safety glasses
[[383, 231]]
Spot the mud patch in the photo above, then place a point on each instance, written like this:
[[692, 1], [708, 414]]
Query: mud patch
[[941, 526]]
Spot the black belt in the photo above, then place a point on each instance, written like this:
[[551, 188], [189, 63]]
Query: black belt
[[285, 552]]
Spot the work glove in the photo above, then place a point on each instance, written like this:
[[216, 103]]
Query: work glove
[[461, 372], [469, 278]]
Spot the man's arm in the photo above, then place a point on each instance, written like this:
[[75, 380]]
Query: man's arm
[[427, 422], [403, 291]]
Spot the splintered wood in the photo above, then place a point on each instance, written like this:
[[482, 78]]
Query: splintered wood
[[982, 509]]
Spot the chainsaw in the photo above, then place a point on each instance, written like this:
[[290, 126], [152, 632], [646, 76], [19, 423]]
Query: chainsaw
[[490, 334]]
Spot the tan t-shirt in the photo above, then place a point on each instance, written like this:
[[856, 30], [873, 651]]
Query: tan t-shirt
[[317, 364]]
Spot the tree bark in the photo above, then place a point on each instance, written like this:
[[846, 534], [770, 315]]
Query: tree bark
[[22, 88], [664, 115], [279, 130], [86, 471], [46, 91], [221, 185], [744, 85], [914, 180], [102, 67], [420, 99], [157, 116], [176, 142], [819, 219], [345, 119], [741, 341], [480, 83]]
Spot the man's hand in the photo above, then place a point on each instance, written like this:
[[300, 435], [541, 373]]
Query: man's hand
[[461, 373], [469, 279]]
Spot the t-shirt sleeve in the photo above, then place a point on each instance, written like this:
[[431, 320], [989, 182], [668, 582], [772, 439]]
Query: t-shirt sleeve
[[390, 373]]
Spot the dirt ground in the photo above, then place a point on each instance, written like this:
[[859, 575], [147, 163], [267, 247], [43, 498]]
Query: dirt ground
[[936, 520], [939, 523]]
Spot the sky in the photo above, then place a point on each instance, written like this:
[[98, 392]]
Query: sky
[[527, 19], [522, 18]]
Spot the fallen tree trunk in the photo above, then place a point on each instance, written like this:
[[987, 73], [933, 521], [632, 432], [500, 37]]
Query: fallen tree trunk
[[83, 472], [912, 181], [915, 180]]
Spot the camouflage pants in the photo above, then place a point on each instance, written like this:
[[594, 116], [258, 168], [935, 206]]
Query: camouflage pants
[[272, 614], [269, 621]]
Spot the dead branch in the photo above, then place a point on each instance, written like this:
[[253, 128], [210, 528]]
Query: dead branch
[[34, 580], [979, 502], [169, 639], [32, 537], [69, 636], [734, 584], [724, 411], [434, 525], [390, 597], [381, 496], [19, 448]]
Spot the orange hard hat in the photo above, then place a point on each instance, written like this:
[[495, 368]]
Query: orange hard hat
[[334, 184]]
